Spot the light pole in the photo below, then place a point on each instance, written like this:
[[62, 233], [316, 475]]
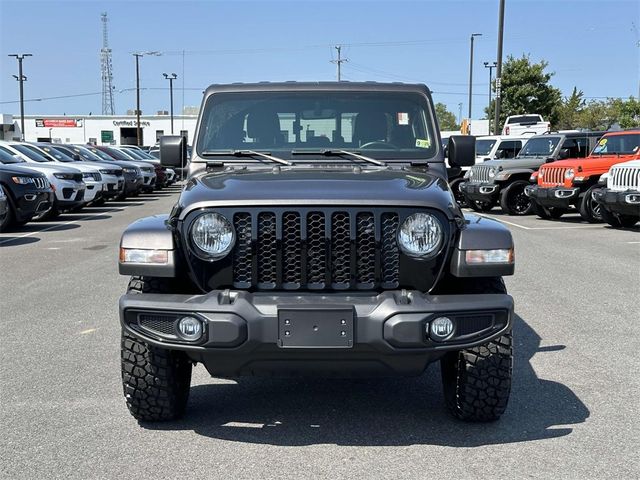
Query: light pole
[[460, 113], [496, 119], [473, 35], [171, 78], [138, 129], [21, 78], [490, 66]]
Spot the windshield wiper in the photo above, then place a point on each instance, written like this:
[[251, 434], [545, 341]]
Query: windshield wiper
[[245, 153], [339, 153]]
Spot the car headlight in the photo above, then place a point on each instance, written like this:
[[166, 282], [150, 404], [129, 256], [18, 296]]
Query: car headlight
[[492, 172], [64, 176], [420, 235], [22, 180], [540, 173], [129, 170], [212, 235], [569, 173]]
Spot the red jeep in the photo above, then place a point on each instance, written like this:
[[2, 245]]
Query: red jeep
[[570, 183]]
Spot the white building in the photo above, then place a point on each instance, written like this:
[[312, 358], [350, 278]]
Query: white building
[[97, 129]]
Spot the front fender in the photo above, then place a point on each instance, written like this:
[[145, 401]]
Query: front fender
[[481, 233], [149, 234]]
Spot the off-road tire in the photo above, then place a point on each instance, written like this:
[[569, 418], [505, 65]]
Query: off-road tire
[[457, 194], [548, 213], [478, 206], [513, 199], [155, 381], [477, 381], [619, 221], [590, 210]]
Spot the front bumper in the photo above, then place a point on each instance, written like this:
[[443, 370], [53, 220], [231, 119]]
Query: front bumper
[[133, 183], [69, 194], [32, 203], [481, 192], [622, 203], [113, 186], [560, 197], [245, 333]]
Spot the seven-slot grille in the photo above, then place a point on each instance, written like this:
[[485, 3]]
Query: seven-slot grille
[[316, 249], [95, 176], [624, 178], [41, 183], [552, 175], [480, 174]]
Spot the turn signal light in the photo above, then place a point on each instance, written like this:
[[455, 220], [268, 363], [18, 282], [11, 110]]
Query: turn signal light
[[135, 255], [474, 257]]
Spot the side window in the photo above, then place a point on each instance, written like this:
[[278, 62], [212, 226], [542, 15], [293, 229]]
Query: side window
[[508, 149], [571, 148]]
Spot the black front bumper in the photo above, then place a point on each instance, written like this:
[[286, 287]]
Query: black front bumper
[[33, 202], [558, 197], [380, 334], [622, 203], [480, 192]]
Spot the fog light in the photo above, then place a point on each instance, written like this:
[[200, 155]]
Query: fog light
[[441, 329], [190, 328]]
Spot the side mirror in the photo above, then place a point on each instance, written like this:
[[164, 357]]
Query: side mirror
[[76, 157], [173, 151], [462, 150]]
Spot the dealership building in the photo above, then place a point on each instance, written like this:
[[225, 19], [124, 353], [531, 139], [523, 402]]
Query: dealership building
[[96, 129]]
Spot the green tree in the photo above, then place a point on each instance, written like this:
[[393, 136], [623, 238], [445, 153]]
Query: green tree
[[446, 119], [569, 110], [626, 112], [526, 88]]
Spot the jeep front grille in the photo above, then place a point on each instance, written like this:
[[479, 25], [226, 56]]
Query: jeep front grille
[[480, 174], [624, 178], [552, 176], [41, 183], [316, 249]]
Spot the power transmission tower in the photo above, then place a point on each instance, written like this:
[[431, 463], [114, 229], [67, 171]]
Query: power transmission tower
[[106, 70], [339, 61]]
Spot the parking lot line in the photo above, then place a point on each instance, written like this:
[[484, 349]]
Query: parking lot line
[[568, 227]]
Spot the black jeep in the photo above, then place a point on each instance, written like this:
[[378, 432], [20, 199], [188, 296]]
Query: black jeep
[[316, 235]]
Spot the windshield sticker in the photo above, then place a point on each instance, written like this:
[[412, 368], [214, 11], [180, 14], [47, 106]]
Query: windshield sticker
[[603, 142], [403, 118], [421, 143]]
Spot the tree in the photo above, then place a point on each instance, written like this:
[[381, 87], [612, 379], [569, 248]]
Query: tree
[[596, 115], [626, 112], [569, 110], [446, 119], [526, 88]]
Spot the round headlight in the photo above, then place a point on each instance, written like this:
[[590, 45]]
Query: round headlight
[[213, 235], [420, 235], [569, 173], [492, 172]]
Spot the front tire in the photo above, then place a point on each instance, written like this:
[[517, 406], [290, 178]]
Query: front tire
[[477, 381], [590, 210], [457, 194], [155, 381], [514, 201]]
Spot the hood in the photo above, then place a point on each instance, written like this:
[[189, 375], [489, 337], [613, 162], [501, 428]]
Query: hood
[[629, 164], [51, 167], [19, 169], [301, 186], [513, 163]]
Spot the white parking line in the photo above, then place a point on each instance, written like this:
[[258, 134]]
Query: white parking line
[[568, 227], [58, 225]]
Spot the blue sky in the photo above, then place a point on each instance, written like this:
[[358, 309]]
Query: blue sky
[[593, 45]]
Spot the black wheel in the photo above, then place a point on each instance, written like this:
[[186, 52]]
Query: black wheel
[[457, 194], [9, 218], [155, 380], [618, 221], [548, 213], [52, 214], [590, 210], [478, 206], [477, 381], [513, 199]]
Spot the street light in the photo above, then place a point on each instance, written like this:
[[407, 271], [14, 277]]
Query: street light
[[473, 35], [21, 78], [138, 130], [171, 78], [490, 66], [496, 119]]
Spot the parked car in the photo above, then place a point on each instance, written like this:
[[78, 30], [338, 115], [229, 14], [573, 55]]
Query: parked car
[[505, 181], [571, 183], [327, 253], [148, 169], [26, 193], [67, 182], [527, 124], [138, 155], [498, 147], [620, 195]]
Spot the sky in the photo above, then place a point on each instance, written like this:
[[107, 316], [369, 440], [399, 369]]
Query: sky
[[593, 45]]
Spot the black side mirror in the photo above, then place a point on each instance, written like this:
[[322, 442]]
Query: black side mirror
[[173, 151], [76, 157], [462, 150]]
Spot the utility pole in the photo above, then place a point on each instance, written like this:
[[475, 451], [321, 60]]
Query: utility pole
[[496, 119], [473, 35], [21, 78], [171, 78], [339, 61], [138, 129], [460, 113], [490, 66]]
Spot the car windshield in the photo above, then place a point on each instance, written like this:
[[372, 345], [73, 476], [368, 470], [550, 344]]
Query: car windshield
[[57, 154], [117, 154], [622, 144], [483, 147], [31, 153], [84, 153], [8, 157], [539, 146], [385, 125], [132, 153], [101, 154]]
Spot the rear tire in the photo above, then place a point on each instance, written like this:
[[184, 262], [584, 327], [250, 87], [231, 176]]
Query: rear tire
[[477, 381], [155, 381], [590, 210], [513, 199]]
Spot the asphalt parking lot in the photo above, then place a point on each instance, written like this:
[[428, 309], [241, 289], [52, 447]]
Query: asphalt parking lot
[[572, 414]]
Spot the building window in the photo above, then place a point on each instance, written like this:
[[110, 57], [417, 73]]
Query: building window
[[159, 133]]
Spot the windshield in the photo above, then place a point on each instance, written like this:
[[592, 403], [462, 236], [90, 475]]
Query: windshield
[[483, 147], [132, 153], [58, 155], [32, 154], [539, 146], [388, 125], [622, 144], [8, 157], [93, 151], [117, 154]]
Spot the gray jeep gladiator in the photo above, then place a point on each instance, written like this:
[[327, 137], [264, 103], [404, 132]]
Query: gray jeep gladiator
[[316, 235]]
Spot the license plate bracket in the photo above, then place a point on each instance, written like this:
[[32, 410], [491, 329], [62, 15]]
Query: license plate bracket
[[315, 327]]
